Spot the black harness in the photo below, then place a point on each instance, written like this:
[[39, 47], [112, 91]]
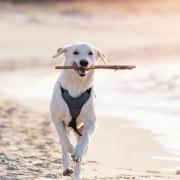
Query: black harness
[[75, 105]]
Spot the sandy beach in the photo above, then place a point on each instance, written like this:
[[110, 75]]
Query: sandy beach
[[30, 149], [123, 147]]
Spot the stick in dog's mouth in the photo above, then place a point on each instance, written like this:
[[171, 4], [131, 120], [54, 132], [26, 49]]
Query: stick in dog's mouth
[[82, 71], [114, 67]]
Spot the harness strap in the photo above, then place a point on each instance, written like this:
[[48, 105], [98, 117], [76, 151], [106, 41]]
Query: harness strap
[[75, 105]]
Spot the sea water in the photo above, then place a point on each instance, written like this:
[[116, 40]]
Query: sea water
[[148, 95]]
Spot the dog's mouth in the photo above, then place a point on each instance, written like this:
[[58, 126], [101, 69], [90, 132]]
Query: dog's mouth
[[82, 71]]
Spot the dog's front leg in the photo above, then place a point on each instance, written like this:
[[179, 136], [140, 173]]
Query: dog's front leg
[[66, 146], [65, 161], [63, 136], [82, 145]]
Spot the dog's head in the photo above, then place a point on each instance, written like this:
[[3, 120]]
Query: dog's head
[[81, 55]]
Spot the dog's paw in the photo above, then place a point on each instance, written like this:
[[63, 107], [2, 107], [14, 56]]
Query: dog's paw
[[78, 154], [68, 172]]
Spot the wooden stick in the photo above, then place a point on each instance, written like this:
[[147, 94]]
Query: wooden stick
[[115, 67]]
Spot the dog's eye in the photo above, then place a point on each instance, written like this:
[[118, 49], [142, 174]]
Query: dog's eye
[[75, 52], [90, 53]]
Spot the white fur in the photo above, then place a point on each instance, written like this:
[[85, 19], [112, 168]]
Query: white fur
[[76, 85]]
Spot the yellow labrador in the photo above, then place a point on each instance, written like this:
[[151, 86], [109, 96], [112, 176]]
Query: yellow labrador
[[72, 104]]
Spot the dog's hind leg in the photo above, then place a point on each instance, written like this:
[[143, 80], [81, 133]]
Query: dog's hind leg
[[77, 171]]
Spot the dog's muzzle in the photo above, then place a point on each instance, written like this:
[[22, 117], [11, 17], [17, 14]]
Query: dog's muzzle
[[82, 70]]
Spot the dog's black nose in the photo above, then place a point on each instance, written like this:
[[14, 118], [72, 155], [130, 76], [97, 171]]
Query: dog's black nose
[[83, 63]]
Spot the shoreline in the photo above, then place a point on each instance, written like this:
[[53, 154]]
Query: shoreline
[[137, 149]]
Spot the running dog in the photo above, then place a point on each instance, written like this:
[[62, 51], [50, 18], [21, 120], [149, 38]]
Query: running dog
[[72, 105]]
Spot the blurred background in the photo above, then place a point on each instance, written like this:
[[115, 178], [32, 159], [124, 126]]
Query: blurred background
[[145, 33]]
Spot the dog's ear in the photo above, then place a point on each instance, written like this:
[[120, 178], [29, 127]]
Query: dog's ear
[[102, 56], [60, 51]]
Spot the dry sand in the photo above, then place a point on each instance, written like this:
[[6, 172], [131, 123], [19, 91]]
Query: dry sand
[[29, 147]]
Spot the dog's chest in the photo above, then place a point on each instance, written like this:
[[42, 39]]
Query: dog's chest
[[85, 112], [66, 115]]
